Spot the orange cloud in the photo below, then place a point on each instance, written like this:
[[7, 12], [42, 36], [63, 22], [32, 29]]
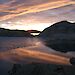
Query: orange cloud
[[22, 10]]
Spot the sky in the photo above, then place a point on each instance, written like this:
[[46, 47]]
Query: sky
[[35, 14]]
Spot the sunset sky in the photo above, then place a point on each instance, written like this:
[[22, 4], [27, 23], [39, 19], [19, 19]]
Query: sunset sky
[[35, 14]]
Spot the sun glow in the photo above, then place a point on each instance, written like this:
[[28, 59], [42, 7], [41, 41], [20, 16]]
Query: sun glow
[[35, 34], [20, 26]]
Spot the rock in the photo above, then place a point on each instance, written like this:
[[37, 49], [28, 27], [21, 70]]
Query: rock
[[41, 69]]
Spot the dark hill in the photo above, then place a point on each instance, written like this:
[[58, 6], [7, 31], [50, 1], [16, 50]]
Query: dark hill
[[34, 31], [14, 33], [60, 36]]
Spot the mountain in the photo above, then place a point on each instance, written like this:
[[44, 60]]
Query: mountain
[[14, 33], [60, 36], [34, 31]]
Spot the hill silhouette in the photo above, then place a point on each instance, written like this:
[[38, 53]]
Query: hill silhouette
[[60, 36], [14, 33], [33, 31]]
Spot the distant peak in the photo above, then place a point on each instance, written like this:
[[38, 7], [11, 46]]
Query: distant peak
[[64, 21], [62, 24]]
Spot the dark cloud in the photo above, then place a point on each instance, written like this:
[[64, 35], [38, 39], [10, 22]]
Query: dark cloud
[[3, 1], [4, 13]]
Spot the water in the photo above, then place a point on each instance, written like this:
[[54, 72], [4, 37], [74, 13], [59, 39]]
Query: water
[[25, 50]]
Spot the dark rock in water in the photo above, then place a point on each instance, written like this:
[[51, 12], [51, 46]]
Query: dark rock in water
[[72, 61], [14, 33], [60, 36], [41, 69]]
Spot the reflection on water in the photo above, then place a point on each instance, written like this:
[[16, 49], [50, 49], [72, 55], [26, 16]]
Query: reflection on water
[[31, 50], [35, 34]]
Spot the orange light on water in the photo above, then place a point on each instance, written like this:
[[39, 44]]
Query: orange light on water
[[24, 54]]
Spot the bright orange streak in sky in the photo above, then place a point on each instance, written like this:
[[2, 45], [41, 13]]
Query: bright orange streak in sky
[[22, 10]]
